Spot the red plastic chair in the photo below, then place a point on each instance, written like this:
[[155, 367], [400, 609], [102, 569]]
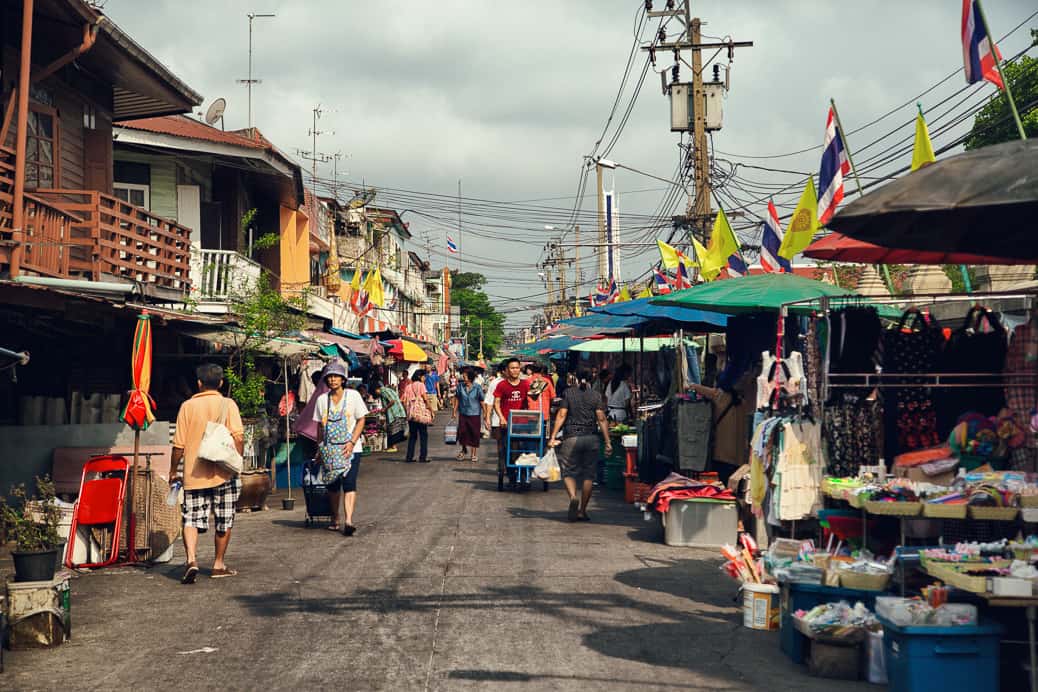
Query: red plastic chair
[[102, 492]]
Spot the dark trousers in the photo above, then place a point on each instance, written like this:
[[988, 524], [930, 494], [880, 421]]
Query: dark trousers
[[500, 436], [414, 431]]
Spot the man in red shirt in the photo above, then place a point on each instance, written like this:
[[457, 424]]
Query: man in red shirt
[[510, 395]]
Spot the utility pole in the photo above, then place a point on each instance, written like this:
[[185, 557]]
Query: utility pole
[[250, 81], [698, 212]]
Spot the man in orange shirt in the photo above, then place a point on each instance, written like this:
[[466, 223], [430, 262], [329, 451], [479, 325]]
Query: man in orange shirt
[[206, 485], [542, 392]]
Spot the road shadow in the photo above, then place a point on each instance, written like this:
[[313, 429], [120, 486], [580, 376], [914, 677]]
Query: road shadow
[[692, 578]]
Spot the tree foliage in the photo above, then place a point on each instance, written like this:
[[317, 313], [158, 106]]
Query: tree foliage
[[467, 293], [994, 123]]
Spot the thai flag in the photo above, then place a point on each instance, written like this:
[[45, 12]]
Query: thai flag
[[601, 296], [662, 283], [979, 52], [614, 291], [681, 280], [737, 266], [452, 247], [771, 240], [834, 166]]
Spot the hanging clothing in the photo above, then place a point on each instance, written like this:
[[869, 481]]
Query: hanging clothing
[[854, 341], [309, 368], [1021, 391], [972, 349], [913, 346], [786, 378], [853, 436]]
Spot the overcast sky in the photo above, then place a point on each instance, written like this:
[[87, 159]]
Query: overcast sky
[[508, 97]]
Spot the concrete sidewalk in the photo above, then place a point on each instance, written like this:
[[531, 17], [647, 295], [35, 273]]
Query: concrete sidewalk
[[447, 585]]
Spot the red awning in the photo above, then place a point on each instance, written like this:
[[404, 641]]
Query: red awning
[[837, 247]]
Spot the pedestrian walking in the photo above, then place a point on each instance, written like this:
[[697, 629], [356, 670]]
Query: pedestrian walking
[[510, 395], [618, 395], [340, 417], [208, 487], [580, 414], [468, 403], [493, 423], [432, 390], [396, 415], [542, 393], [419, 416]]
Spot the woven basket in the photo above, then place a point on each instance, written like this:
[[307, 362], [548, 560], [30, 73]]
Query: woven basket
[[165, 519], [857, 500], [1028, 500], [864, 582], [943, 511], [994, 513], [894, 509]]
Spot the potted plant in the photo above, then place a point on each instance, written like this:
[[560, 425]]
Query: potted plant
[[33, 527]]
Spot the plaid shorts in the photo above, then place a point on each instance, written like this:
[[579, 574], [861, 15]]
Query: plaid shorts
[[221, 499]]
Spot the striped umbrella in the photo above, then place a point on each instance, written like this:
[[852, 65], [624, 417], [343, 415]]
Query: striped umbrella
[[140, 408], [139, 414]]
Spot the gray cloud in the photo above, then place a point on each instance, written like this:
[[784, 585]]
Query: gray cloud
[[509, 96]]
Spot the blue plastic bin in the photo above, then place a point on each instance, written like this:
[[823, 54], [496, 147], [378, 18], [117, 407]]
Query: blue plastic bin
[[948, 659], [805, 597]]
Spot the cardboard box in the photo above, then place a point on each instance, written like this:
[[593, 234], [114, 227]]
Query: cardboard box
[[915, 473]]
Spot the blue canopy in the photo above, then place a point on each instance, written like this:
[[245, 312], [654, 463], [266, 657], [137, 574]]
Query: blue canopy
[[554, 343], [595, 324], [665, 317]]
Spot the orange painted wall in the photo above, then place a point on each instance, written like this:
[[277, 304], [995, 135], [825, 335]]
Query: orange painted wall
[[295, 251]]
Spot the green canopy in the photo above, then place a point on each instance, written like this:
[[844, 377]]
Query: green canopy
[[651, 345], [760, 292]]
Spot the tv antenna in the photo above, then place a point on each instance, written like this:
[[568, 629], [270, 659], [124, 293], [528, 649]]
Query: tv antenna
[[215, 112]]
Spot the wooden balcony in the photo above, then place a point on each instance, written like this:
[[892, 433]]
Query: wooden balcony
[[128, 242]]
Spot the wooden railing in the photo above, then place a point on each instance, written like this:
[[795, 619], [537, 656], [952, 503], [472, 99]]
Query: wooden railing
[[222, 275], [128, 242]]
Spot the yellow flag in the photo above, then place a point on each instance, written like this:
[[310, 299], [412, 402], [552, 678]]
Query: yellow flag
[[708, 267], [670, 255], [625, 294], [922, 154], [373, 285], [723, 243], [802, 227], [645, 292], [355, 283]]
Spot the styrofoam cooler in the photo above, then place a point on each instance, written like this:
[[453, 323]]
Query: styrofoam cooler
[[450, 434], [700, 523]]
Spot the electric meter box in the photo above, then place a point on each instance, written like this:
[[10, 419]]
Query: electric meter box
[[683, 108], [713, 96]]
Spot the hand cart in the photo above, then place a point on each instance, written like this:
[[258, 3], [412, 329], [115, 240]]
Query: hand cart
[[315, 492], [525, 435]]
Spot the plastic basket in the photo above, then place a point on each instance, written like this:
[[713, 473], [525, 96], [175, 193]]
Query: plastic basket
[[635, 490], [894, 509], [993, 513], [863, 582], [937, 510]]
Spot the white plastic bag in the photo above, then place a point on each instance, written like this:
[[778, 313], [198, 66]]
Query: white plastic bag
[[218, 447], [547, 468], [528, 459]]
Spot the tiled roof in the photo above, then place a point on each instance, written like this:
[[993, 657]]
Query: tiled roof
[[189, 128]]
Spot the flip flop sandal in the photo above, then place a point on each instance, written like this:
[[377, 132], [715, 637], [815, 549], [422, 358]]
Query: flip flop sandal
[[332, 527], [190, 574], [349, 530], [460, 457], [221, 573]]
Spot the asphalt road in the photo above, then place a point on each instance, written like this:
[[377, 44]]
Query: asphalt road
[[448, 585]]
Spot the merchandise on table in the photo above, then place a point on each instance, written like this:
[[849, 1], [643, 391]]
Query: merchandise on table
[[837, 620], [917, 612]]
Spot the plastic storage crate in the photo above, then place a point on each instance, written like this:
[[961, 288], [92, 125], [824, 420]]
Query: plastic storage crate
[[805, 597], [949, 659]]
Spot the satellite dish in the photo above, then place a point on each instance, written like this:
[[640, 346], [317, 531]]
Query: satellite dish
[[215, 112]]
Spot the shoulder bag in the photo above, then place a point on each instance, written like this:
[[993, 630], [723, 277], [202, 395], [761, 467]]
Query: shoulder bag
[[218, 447]]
